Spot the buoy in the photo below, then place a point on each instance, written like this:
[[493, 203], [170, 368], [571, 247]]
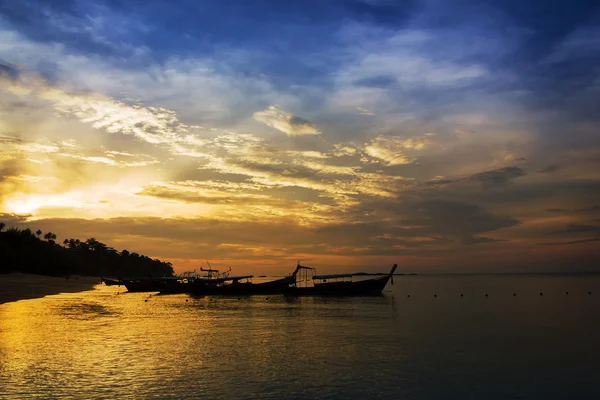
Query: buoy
[[267, 298], [435, 295], [541, 294], [145, 301], [461, 295], [408, 295], [514, 294], [186, 300], [589, 292], [567, 293], [486, 295]]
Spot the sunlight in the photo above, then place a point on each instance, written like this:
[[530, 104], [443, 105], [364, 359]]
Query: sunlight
[[21, 206], [31, 204]]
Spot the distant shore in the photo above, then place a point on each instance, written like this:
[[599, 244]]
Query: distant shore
[[18, 286]]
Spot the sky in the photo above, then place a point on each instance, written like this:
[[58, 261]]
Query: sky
[[349, 135]]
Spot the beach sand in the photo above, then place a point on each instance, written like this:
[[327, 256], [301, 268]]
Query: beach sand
[[17, 286]]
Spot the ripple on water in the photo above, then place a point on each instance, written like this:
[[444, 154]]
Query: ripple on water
[[108, 343], [83, 310]]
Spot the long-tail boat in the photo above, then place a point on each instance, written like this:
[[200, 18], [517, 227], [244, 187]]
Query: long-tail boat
[[143, 285], [237, 285], [338, 284], [167, 284], [111, 282], [177, 285]]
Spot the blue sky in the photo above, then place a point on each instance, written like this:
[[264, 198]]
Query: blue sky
[[386, 119]]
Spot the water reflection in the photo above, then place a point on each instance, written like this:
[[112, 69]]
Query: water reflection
[[107, 343]]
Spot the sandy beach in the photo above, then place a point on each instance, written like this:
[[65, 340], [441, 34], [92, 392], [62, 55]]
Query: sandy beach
[[17, 286]]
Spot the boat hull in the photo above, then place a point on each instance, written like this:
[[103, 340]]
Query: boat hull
[[112, 282], [143, 286], [174, 287], [241, 289], [359, 288]]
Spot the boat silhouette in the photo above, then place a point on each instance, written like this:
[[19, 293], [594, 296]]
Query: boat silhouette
[[337, 284], [302, 282]]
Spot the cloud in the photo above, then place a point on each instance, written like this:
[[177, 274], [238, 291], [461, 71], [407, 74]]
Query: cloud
[[579, 45], [462, 220], [512, 157], [10, 139], [8, 71], [390, 149], [578, 228], [306, 153], [364, 111], [122, 93], [498, 177], [549, 169], [151, 124], [87, 26], [463, 132], [400, 58], [580, 241], [112, 160], [341, 150], [414, 227], [488, 179], [470, 240], [204, 90], [588, 209], [285, 122], [556, 210], [206, 193]]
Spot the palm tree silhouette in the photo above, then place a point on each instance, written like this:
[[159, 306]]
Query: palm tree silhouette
[[49, 236], [38, 233], [2, 226]]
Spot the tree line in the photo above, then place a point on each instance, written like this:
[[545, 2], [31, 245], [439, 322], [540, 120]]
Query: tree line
[[22, 250]]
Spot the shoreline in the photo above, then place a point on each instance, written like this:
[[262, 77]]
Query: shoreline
[[18, 286]]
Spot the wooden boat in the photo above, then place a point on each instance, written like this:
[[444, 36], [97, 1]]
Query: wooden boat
[[143, 285], [111, 282], [338, 284], [216, 283], [178, 284], [152, 284], [238, 286], [165, 284], [201, 285]]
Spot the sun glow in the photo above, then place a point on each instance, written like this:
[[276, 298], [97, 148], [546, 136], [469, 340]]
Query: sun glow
[[21, 206], [32, 203], [100, 202]]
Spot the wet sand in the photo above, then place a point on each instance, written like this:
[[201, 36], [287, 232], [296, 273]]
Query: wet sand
[[17, 286]]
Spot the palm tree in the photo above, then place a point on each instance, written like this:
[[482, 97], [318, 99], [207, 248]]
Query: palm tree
[[73, 243], [2, 226], [38, 233], [92, 243], [50, 236]]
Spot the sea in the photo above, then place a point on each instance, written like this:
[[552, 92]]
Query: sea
[[426, 337]]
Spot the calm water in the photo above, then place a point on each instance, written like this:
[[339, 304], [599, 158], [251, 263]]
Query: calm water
[[106, 344]]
